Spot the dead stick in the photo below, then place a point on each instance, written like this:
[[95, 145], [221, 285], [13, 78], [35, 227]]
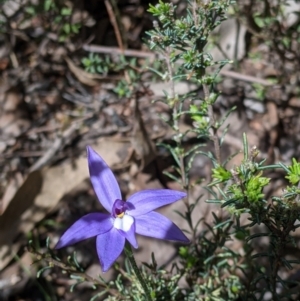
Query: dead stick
[[59, 143], [116, 50], [246, 78], [114, 23], [150, 55]]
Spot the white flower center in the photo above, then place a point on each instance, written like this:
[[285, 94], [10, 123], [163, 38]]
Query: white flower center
[[123, 223]]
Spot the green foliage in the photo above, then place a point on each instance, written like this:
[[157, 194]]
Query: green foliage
[[221, 174], [58, 15], [294, 172], [93, 63], [278, 215], [164, 286], [250, 184], [185, 38], [260, 91], [199, 115], [213, 274]]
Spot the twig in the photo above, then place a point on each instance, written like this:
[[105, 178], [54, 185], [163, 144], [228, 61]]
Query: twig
[[71, 270], [175, 109], [213, 136], [14, 60], [246, 78], [152, 56], [57, 144], [25, 154], [116, 50], [173, 94], [298, 196], [236, 46], [114, 23]]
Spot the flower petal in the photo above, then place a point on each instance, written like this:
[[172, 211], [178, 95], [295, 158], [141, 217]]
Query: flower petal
[[124, 223], [156, 225], [126, 226], [109, 247], [130, 236], [147, 200], [88, 226], [104, 182]]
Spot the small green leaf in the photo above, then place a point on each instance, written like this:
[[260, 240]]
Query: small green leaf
[[294, 172], [30, 10], [66, 11], [42, 270], [48, 4], [221, 174], [67, 28]]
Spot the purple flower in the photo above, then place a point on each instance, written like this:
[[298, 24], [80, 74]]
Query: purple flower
[[124, 219]]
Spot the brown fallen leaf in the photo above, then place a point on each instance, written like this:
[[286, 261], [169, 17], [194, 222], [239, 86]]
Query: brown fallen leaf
[[10, 221], [41, 192]]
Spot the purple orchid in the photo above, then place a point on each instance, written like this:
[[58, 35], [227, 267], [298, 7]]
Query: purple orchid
[[124, 218]]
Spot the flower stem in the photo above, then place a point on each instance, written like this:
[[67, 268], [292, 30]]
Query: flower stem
[[129, 254]]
